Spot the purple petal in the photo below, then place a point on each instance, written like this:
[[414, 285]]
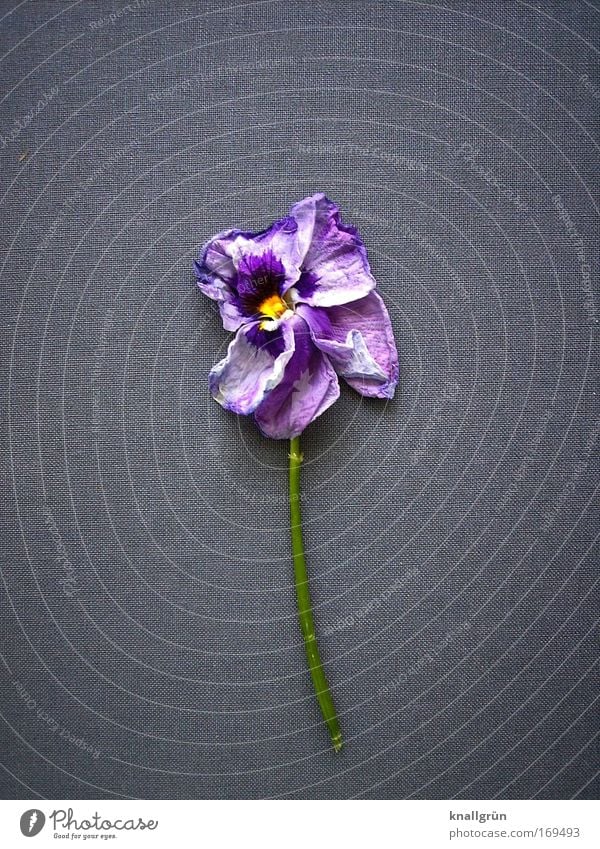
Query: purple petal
[[219, 262], [216, 273], [273, 340], [305, 286], [220, 257], [359, 341], [350, 357], [215, 260], [304, 213], [248, 373], [308, 388], [335, 258]]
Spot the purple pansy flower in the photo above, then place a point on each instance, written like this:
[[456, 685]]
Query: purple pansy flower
[[301, 298]]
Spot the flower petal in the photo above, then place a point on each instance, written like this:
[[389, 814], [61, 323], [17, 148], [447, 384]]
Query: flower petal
[[359, 341], [304, 213], [248, 373], [350, 357], [336, 267], [308, 388], [216, 274], [218, 263]]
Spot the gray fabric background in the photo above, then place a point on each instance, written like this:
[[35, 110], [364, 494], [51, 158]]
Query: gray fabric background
[[149, 640]]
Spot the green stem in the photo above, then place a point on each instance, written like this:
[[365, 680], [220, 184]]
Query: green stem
[[304, 605]]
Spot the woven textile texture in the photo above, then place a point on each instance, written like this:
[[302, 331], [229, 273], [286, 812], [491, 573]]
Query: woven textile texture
[[150, 646]]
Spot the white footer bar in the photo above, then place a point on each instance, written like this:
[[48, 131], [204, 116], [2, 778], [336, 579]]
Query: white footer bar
[[306, 823]]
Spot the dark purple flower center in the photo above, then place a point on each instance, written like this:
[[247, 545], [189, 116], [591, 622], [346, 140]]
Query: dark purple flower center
[[260, 295], [260, 284]]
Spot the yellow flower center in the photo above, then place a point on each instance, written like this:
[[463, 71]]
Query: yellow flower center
[[272, 307]]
